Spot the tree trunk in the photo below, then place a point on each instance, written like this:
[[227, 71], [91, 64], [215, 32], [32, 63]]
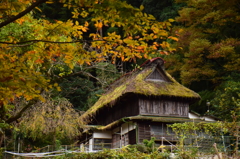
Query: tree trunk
[[1, 139], [54, 140], [237, 141]]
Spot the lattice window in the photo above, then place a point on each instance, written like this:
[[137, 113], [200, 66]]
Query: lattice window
[[100, 144], [157, 75]]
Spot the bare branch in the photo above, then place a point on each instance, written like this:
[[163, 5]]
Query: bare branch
[[36, 41], [21, 14], [16, 44], [22, 45], [20, 113]]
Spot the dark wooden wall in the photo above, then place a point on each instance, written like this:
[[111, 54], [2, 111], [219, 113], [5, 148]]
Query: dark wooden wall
[[133, 105], [132, 137], [159, 130], [124, 139], [126, 107], [161, 107], [116, 141], [144, 131]]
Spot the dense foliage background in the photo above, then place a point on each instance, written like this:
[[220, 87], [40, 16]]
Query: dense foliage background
[[199, 40]]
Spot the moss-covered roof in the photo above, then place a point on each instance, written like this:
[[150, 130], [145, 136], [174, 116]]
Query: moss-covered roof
[[135, 82]]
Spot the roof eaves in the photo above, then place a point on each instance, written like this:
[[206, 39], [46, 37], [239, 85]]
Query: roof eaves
[[151, 119]]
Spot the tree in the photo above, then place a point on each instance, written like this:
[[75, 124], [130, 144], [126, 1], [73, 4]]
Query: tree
[[227, 106], [161, 10], [208, 42], [31, 50], [85, 84], [54, 117], [226, 100]]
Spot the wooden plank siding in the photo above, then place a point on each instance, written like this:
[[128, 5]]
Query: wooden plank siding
[[123, 108], [122, 140], [132, 137], [125, 139], [159, 130], [144, 132], [116, 141], [159, 107], [133, 105]]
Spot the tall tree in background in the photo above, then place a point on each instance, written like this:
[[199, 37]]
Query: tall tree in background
[[208, 45], [35, 54], [209, 40], [162, 10]]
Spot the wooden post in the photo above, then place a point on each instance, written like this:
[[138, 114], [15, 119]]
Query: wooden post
[[162, 143], [121, 137], [1, 138], [18, 144], [237, 139], [216, 150]]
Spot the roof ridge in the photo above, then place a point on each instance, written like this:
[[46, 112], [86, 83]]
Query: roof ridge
[[136, 69]]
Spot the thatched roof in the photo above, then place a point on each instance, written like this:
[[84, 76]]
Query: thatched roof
[[137, 82]]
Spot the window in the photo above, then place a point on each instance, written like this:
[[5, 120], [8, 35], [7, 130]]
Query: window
[[100, 144], [157, 75]]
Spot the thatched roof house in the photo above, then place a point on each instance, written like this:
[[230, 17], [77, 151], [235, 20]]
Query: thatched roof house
[[137, 106], [150, 80]]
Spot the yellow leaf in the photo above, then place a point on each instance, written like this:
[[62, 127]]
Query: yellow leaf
[[84, 29], [173, 38], [20, 21], [49, 2], [171, 20], [38, 9], [58, 89], [86, 24], [42, 99], [145, 56], [154, 47], [98, 25], [161, 147]]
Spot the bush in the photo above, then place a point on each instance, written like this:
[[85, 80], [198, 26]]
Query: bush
[[128, 152]]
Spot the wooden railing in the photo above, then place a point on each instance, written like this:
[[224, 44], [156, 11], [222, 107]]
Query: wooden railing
[[169, 137], [101, 146]]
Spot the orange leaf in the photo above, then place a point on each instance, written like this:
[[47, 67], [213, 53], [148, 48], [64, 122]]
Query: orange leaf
[[39, 61]]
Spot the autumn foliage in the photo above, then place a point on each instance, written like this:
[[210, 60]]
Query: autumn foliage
[[36, 52]]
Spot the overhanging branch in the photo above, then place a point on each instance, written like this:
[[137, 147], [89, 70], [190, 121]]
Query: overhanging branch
[[21, 14], [29, 42], [20, 113]]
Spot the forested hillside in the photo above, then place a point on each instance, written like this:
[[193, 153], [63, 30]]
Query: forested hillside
[[58, 56]]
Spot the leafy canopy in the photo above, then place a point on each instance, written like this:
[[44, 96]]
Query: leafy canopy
[[32, 49], [208, 41]]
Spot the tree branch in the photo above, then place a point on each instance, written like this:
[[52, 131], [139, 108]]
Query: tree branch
[[46, 41], [77, 73], [20, 113], [21, 14]]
